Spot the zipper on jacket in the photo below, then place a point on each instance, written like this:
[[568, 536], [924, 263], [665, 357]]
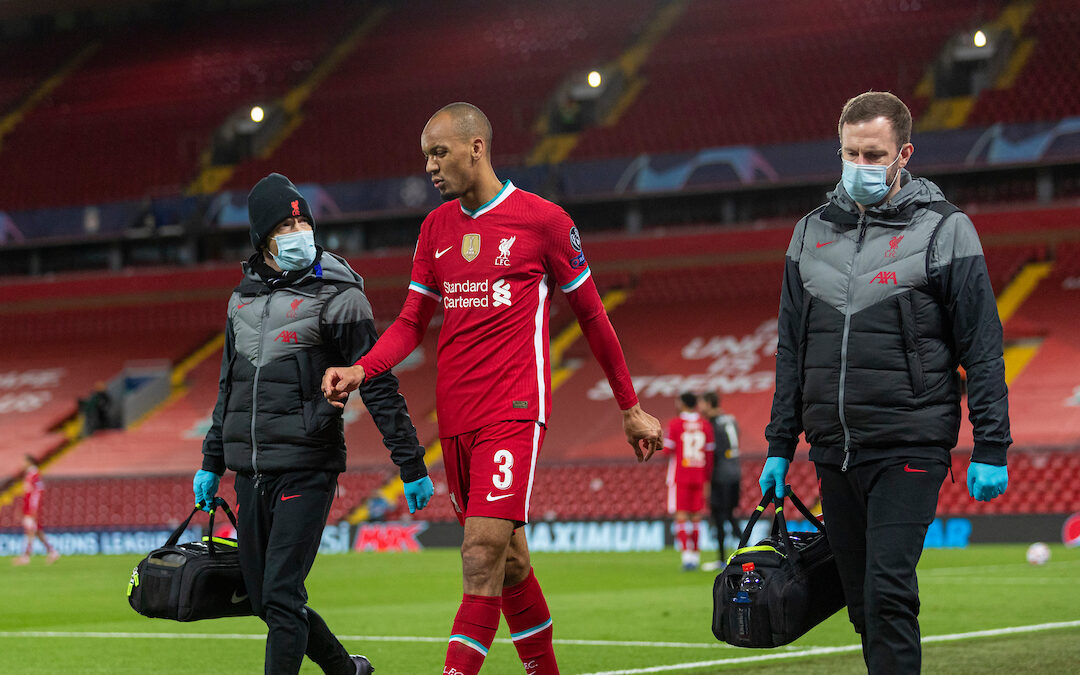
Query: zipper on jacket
[[255, 386], [844, 343]]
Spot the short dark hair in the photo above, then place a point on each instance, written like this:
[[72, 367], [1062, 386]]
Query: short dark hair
[[688, 399], [711, 399], [469, 121], [874, 104]]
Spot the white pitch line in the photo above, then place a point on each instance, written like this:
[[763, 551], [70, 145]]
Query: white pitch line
[[356, 638], [945, 571], [819, 651]]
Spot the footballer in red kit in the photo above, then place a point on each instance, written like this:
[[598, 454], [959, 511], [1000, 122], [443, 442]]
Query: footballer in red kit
[[491, 257], [689, 441], [493, 270], [33, 489]]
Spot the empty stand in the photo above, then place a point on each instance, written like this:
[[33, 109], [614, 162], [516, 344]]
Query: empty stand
[[1003, 262], [1044, 401], [28, 63], [733, 73], [1048, 86], [568, 491], [686, 324], [132, 121], [506, 58]]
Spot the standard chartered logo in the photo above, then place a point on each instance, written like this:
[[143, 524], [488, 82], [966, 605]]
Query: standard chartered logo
[[475, 294], [500, 293]]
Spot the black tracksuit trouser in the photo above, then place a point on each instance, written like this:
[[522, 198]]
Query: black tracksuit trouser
[[279, 528], [723, 500], [876, 517]]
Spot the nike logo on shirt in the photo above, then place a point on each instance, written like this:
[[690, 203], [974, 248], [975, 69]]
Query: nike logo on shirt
[[285, 499], [907, 467], [439, 254], [236, 599], [825, 243], [493, 498]]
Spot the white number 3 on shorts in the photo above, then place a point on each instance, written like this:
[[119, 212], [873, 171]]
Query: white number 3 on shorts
[[504, 460]]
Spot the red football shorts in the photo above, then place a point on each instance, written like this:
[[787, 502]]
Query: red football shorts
[[688, 497], [489, 472]]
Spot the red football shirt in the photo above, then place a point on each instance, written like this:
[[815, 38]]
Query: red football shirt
[[493, 270], [32, 489], [689, 441]]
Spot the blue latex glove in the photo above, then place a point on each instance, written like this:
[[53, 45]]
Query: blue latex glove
[[418, 493], [205, 488], [774, 476], [986, 481]]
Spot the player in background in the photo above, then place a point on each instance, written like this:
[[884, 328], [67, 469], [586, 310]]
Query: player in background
[[32, 492], [491, 256], [689, 441], [726, 473]]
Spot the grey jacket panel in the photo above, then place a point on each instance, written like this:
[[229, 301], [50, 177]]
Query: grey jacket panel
[[869, 314], [281, 336]]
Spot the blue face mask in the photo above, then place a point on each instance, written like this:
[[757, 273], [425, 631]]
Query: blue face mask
[[296, 250], [866, 182]]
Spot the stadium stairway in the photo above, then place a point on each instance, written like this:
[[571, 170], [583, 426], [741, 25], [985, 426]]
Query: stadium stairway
[[213, 176], [555, 146], [728, 72], [955, 111], [1047, 63], [33, 72], [508, 59]]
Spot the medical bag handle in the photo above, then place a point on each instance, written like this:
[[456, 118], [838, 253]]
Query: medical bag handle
[[218, 502], [779, 523]]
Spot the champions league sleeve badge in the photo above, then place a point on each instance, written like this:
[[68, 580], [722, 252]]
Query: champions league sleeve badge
[[575, 238]]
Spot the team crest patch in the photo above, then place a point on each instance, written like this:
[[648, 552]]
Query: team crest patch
[[470, 247], [504, 251]]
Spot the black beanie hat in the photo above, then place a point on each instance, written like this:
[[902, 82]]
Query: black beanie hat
[[272, 200]]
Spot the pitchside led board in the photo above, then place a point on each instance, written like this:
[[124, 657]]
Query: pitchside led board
[[551, 536]]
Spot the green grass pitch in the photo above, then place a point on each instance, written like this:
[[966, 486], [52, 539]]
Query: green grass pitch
[[618, 612]]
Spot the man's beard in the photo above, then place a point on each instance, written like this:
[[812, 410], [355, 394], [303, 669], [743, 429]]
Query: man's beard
[[449, 195]]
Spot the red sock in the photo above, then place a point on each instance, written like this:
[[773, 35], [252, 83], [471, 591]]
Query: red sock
[[681, 537], [473, 632], [527, 615], [694, 537]]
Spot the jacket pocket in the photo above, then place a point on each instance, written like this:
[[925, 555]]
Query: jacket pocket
[[318, 413], [911, 345]]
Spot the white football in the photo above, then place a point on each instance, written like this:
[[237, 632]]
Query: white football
[[1038, 553]]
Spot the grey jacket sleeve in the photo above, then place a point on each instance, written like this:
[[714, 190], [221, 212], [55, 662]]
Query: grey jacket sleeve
[[958, 272], [785, 421], [349, 327], [213, 450]]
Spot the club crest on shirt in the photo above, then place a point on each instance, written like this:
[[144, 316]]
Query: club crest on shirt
[[470, 247], [503, 258]]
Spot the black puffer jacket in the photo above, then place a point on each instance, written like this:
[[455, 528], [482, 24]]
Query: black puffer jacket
[[877, 311], [283, 331]]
